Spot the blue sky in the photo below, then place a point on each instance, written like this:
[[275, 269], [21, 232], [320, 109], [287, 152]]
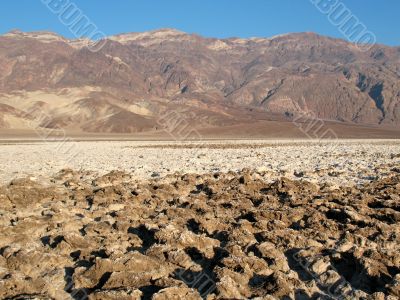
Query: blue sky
[[212, 18]]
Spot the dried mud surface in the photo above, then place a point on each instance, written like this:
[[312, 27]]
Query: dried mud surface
[[232, 235]]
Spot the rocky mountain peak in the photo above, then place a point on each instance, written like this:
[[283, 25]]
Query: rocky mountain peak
[[43, 36]]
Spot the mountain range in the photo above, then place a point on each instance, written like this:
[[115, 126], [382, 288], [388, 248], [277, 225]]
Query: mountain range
[[137, 79]]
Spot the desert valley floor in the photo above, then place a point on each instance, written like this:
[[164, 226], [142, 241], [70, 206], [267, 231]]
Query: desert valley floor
[[233, 219]]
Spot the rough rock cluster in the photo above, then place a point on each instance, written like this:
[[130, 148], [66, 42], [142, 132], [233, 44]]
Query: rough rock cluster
[[231, 235]]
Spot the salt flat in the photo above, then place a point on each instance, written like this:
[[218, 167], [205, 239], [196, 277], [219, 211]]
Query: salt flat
[[273, 218], [335, 162]]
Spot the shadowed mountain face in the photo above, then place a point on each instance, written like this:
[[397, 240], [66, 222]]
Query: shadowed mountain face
[[52, 82]]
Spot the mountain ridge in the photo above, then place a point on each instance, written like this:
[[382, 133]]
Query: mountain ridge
[[17, 31], [222, 81]]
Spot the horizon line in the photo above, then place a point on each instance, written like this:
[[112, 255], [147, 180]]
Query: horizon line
[[191, 33]]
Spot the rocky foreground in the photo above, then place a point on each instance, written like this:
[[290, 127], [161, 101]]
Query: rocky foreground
[[233, 235]]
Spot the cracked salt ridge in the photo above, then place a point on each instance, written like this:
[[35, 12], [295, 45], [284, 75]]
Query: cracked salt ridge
[[347, 162], [106, 239]]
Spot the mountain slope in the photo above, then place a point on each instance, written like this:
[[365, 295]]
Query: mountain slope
[[135, 78]]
